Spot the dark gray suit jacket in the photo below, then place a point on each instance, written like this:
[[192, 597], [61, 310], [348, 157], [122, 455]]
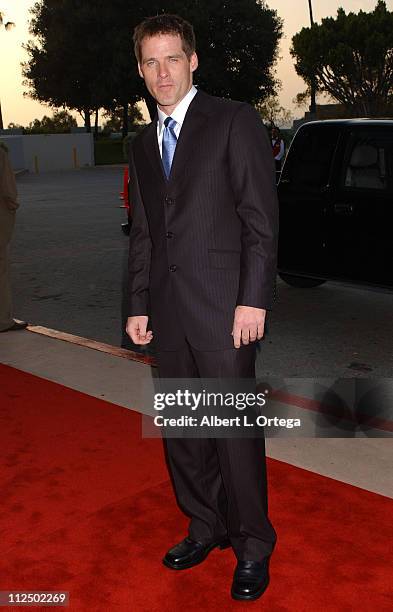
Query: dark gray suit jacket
[[205, 240]]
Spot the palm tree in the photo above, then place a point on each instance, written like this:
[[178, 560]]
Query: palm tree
[[8, 25]]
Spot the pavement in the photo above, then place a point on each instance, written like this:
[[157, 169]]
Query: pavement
[[69, 273]]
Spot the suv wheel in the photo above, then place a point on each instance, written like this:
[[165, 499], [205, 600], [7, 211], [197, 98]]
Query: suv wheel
[[304, 282]]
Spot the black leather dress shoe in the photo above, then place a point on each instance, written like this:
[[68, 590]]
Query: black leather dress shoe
[[250, 579], [188, 553], [15, 326]]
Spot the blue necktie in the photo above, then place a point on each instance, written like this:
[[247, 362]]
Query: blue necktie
[[169, 141]]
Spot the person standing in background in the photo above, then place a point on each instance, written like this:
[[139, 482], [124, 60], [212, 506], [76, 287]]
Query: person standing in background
[[8, 206], [278, 147]]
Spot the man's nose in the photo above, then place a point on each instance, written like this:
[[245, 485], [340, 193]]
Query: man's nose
[[163, 70]]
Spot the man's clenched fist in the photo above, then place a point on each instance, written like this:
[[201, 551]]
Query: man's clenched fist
[[248, 325], [136, 328]]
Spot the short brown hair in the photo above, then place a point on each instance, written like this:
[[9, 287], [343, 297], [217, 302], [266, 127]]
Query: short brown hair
[[165, 24]]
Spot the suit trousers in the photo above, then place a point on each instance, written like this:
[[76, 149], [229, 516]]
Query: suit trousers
[[220, 483]]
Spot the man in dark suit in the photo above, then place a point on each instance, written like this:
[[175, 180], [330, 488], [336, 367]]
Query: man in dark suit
[[202, 268]]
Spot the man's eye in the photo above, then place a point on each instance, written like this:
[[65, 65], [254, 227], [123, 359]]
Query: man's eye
[[173, 59], [150, 63]]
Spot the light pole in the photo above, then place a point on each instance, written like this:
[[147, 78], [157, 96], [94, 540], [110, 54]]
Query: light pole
[[310, 8], [313, 88]]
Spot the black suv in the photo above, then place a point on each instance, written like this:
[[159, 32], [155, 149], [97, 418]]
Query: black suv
[[336, 204]]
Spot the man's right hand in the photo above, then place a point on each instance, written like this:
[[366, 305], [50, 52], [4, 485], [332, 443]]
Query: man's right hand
[[136, 329]]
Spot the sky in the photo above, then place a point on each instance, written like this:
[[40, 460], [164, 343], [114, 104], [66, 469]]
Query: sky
[[19, 109]]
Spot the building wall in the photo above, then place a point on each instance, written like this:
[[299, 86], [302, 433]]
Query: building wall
[[46, 152]]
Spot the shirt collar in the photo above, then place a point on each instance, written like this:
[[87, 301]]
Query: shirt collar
[[179, 112]]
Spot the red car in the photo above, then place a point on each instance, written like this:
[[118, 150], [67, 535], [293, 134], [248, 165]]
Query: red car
[[125, 196]]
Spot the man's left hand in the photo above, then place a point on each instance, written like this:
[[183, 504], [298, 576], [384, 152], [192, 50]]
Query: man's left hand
[[248, 325]]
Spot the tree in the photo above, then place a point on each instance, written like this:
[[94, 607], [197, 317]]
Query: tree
[[8, 25], [237, 45], [115, 119], [351, 59], [273, 113], [303, 98], [59, 123], [82, 56], [70, 57], [15, 126]]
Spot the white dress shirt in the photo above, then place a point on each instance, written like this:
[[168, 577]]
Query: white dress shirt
[[178, 115]]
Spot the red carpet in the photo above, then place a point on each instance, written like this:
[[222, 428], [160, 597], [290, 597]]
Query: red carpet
[[86, 507]]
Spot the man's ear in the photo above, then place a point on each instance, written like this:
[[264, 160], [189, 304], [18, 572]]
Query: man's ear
[[193, 62], [140, 71]]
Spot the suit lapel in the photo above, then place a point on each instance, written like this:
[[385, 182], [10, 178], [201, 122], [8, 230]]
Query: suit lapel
[[150, 144], [192, 129]]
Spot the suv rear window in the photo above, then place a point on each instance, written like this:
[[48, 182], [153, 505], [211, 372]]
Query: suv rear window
[[310, 157], [368, 161]]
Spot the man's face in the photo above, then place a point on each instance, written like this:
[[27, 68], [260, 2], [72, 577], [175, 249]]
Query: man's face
[[166, 69]]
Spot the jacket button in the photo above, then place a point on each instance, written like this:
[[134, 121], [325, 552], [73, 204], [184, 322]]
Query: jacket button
[[169, 200], [172, 268], [169, 235]]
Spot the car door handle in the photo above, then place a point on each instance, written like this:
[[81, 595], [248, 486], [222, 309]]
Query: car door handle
[[343, 209]]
